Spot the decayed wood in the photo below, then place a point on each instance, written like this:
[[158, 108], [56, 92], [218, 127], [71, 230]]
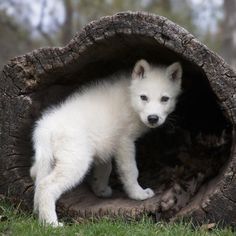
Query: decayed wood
[[45, 76]]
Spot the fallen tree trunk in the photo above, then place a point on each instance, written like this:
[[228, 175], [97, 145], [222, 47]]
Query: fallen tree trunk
[[190, 163]]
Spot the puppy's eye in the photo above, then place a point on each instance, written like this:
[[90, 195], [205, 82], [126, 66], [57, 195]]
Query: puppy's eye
[[164, 99], [144, 97]]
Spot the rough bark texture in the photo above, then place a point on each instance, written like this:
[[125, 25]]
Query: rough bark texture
[[201, 142]]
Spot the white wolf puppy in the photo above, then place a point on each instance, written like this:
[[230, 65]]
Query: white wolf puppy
[[95, 124]]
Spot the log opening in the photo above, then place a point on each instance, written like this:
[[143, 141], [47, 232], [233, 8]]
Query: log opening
[[188, 161]]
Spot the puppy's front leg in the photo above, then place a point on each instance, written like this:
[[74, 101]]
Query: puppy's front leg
[[128, 171], [99, 180]]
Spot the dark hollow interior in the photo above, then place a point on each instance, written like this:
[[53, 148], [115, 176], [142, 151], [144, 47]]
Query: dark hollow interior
[[187, 151]]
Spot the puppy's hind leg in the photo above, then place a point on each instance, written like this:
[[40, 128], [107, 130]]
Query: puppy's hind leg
[[71, 166], [33, 171], [99, 180], [40, 169]]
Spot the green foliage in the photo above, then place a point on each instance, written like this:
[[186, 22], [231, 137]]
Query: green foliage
[[15, 223]]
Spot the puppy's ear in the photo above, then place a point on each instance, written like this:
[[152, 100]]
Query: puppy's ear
[[174, 72], [140, 69]]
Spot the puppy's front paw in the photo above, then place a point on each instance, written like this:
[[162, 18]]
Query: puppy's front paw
[[141, 194], [106, 192]]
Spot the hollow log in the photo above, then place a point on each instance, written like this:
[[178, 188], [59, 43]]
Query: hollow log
[[190, 161]]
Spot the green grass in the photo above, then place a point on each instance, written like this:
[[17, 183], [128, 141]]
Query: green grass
[[13, 222]]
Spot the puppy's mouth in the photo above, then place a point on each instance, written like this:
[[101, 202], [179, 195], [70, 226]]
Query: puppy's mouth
[[152, 126]]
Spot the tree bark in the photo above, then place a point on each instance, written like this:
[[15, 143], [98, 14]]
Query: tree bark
[[201, 145]]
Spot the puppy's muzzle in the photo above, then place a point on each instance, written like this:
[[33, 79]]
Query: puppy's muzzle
[[152, 119]]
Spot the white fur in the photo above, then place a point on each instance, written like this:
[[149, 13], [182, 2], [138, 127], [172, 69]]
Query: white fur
[[92, 125]]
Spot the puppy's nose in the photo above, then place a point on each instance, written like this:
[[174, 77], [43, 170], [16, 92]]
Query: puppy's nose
[[153, 119]]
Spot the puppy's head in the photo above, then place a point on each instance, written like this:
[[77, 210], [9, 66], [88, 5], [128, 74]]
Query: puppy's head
[[154, 91]]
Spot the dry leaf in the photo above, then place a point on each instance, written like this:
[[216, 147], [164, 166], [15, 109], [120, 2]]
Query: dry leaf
[[208, 226]]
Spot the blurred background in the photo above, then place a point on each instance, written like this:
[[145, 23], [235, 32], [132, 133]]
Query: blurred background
[[27, 24]]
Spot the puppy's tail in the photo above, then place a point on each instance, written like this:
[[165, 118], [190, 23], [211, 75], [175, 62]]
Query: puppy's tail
[[43, 163]]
